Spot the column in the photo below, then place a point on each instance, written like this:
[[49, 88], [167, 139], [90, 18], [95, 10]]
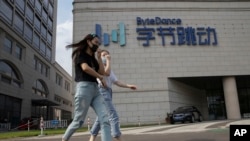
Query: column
[[231, 98]]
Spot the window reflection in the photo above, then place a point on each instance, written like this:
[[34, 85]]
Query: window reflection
[[29, 14], [8, 74], [8, 45], [20, 5], [40, 88], [18, 23], [7, 11]]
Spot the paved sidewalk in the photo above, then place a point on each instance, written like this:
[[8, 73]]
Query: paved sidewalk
[[161, 129]]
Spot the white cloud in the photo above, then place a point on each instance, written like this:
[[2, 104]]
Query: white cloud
[[63, 38]]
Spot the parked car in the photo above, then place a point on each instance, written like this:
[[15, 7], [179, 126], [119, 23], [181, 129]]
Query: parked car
[[33, 123], [186, 113]]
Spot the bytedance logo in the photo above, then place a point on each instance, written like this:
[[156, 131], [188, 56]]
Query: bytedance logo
[[117, 35]]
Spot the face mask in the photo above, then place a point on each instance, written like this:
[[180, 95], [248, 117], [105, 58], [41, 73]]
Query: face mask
[[94, 48], [104, 60]]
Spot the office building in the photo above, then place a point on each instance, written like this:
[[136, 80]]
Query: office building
[[32, 83], [178, 53]]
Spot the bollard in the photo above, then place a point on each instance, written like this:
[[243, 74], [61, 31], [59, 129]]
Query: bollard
[[159, 120], [41, 126], [88, 124], [28, 125], [139, 123]]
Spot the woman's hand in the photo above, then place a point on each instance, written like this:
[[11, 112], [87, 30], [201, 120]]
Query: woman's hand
[[108, 57], [99, 51], [132, 87], [104, 84]]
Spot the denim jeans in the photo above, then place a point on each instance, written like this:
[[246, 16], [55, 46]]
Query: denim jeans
[[113, 116], [87, 94]]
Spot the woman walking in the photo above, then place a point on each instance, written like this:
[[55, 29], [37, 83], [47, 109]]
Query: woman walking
[[87, 70], [106, 92]]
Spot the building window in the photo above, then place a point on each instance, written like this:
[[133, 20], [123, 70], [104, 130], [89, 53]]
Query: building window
[[49, 38], [28, 33], [43, 47], [9, 75], [50, 24], [37, 23], [29, 14], [50, 10], [10, 109], [44, 15], [20, 5], [32, 1], [57, 99], [45, 3], [18, 52], [7, 11], [38, 6], [36, 40], [65, 102], [58, 80], [8, 45], [67, 85], [48, 53], [44, 31], [41, 67], [18, 23], [40, 88]]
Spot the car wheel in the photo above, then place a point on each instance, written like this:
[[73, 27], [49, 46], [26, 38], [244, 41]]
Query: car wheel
[[192, 119], [200, 119]]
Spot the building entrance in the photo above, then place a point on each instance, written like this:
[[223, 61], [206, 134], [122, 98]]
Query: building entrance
[[216, 104], [214, 94]]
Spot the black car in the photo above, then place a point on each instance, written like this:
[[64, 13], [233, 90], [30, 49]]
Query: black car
[[186, 113]]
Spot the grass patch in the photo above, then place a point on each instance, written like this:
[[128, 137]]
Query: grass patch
[[32, 133]]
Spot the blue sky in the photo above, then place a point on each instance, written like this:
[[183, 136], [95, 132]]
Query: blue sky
[[64, 34]]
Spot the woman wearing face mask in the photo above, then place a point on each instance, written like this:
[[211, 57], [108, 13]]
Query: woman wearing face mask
[[106, 92], [87, 70]]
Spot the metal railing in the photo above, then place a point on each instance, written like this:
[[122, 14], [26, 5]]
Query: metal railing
[[55, 124], [5, 126]]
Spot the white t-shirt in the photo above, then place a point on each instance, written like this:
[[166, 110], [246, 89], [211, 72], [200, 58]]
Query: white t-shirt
[[110, 79]]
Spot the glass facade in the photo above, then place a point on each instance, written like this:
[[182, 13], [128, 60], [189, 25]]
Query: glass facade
[[10, 109], [27, 20], [243, 88]]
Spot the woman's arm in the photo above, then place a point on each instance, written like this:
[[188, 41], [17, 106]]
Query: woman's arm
[[120, 84], [85, 67], [99, 60]]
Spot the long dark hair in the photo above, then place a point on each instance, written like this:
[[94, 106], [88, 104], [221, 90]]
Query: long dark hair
[[81, 46]]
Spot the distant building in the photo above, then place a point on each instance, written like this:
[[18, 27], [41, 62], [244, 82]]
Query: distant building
[[32, 83], [178, 53]]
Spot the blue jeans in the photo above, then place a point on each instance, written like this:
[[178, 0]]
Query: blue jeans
[[87, 94], [113, 116]]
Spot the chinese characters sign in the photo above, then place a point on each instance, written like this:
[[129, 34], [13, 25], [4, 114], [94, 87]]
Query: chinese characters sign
[[178, 34]]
